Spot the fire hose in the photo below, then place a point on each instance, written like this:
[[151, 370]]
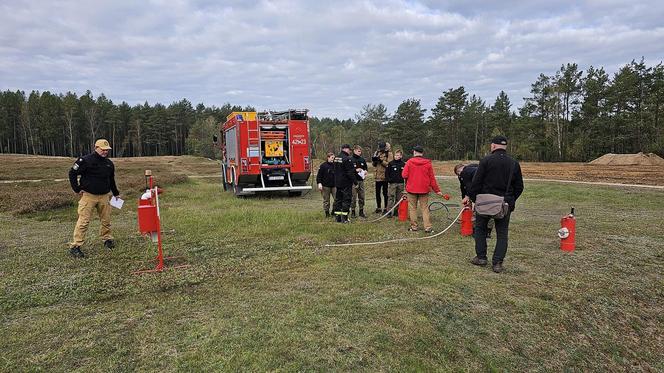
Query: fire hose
[[398, 239], [430, 207], [396, 205]]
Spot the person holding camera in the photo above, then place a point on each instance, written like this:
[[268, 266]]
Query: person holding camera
[[380, 160]]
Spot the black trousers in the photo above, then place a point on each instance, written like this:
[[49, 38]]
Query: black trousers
[[479, 233], [381, 186], [342, 200]]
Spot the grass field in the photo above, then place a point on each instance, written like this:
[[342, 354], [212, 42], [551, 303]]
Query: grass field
[[264, 293]]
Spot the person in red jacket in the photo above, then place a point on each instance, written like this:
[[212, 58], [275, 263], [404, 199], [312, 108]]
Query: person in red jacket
[[420, 179]]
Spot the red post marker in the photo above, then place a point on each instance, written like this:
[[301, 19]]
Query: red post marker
[[567, 232], [467, 221], [149, 222]]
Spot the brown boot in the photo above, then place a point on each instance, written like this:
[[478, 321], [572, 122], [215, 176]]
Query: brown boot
[[479, 262], [498, 267]]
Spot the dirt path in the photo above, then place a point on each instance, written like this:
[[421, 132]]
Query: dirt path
[[660, 187], [28, 181]]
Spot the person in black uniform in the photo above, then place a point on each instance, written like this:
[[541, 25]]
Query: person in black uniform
[[344, 179], [325, 181], [465, 173], [493, 175], [97, 182]]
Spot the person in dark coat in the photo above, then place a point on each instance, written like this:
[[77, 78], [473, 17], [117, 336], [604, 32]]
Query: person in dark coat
[[394, 181], [344, 179], [498, 174], [465, 173], [325, 182], [96, 184]]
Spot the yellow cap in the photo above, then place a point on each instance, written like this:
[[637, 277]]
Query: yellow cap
[[103, 144]]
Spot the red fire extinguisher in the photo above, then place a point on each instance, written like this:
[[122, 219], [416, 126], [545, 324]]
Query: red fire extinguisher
[[567, 232], [403, 209], [467, 221]]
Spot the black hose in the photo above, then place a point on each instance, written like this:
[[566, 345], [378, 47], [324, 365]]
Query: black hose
[[436, 205]]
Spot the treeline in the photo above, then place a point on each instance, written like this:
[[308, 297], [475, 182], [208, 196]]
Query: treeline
[[571, 115], [67, 125]]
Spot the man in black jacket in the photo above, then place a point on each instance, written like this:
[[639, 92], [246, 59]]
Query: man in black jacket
[[344, 179], [325, 181], [97, 182], [359, 194], [497, 174], [395, 182]]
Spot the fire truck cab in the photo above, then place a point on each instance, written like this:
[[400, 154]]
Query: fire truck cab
[[265, 151]]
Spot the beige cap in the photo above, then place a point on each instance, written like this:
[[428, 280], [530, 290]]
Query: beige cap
[[103, 144]]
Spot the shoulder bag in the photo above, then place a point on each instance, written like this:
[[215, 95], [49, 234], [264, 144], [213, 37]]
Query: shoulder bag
[[491, 205]]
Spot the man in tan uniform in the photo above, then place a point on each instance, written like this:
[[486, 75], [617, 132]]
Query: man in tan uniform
[[97, 181]]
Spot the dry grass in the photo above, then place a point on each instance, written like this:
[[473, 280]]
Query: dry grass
[[264, 293], [26, 197]]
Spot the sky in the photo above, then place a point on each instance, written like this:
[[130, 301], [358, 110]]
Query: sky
[[332, 57]]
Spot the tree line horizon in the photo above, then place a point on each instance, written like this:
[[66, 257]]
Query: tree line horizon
[[571, 115]]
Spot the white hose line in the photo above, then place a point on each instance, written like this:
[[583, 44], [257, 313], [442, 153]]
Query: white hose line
[[394, 207], [397, 239], [387, 213]]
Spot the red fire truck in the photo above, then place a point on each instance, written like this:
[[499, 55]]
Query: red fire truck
[[265, 151]]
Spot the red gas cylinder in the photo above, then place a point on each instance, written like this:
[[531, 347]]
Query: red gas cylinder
[[567, 232], [466, 221], [147, 219], [403, 210]]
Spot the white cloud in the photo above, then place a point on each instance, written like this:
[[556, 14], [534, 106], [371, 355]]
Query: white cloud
[[332, 58]]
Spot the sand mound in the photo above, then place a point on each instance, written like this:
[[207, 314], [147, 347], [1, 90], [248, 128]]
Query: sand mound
[[638, 159]]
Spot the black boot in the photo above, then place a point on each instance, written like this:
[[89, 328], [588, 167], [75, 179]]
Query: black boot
[[378, 210], [352, 213], [362, 213], [344, 219], [337, 217], [327, 214], [76, 252]]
